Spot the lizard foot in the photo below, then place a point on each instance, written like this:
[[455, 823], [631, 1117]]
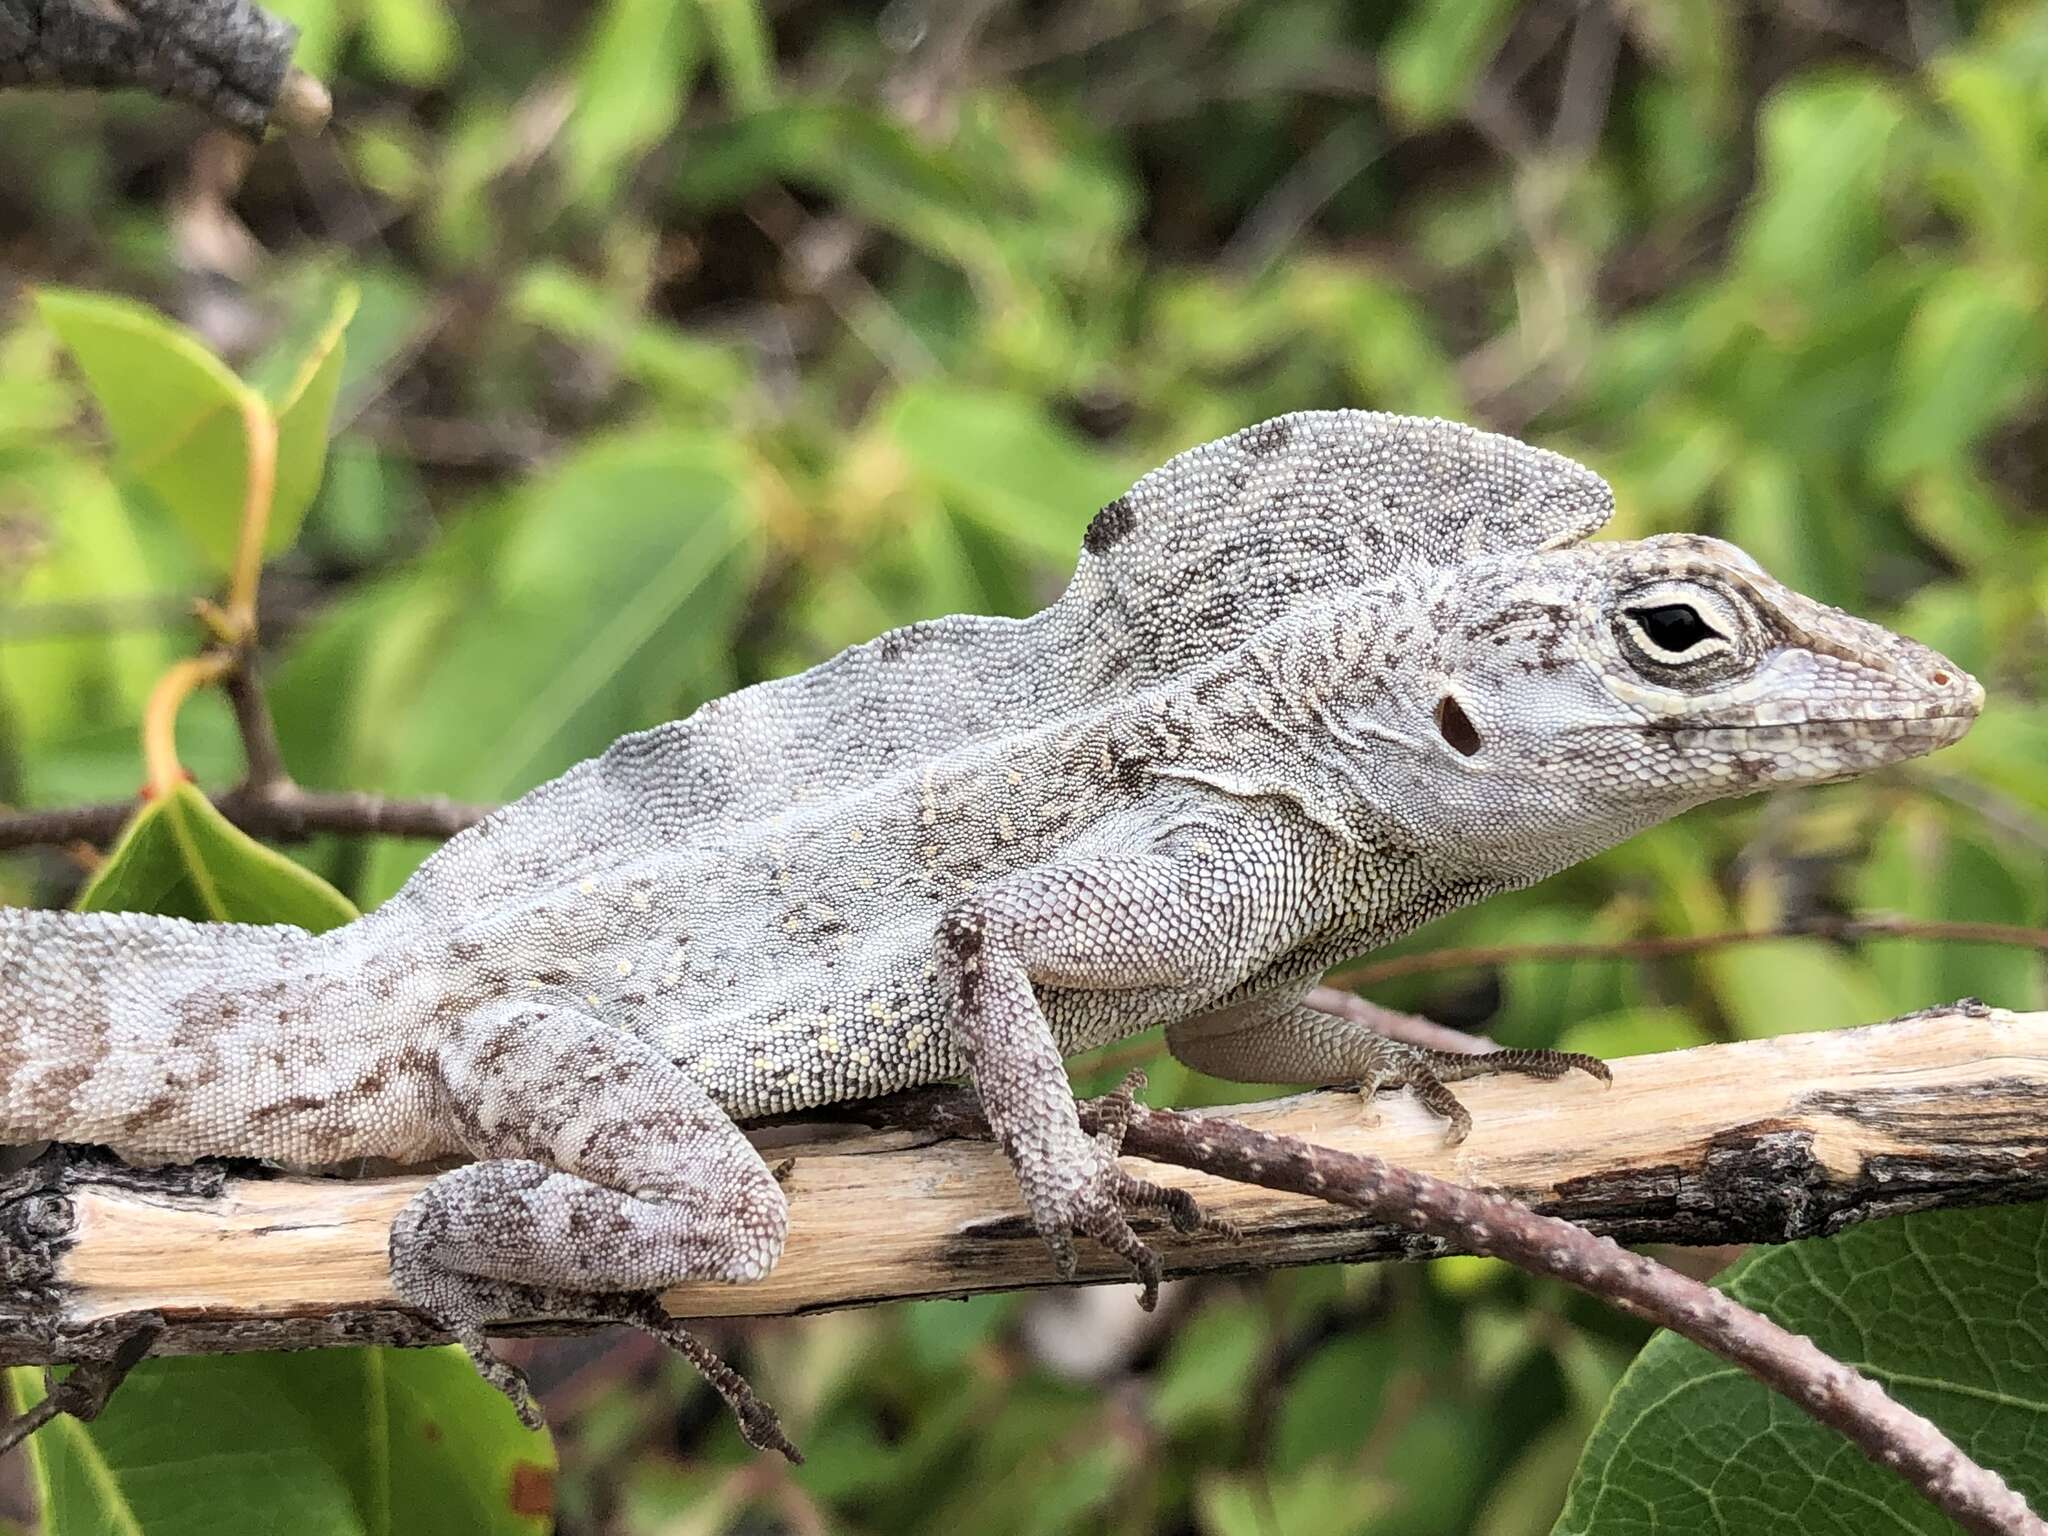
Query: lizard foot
[[1099, 1204], [1427, 1073], [464, 1303]]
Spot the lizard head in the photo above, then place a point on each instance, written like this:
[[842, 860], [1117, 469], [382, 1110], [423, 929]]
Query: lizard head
[[1576, 695]]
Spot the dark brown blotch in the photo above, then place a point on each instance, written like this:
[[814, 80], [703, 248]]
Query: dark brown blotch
[[1109, 527]]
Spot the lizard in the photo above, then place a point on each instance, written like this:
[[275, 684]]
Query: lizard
[[1310, 686]]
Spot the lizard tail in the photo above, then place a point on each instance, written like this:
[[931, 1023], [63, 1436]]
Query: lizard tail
[[139, 1032]]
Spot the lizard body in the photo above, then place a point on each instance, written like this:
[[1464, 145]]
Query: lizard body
[[1311, 686]]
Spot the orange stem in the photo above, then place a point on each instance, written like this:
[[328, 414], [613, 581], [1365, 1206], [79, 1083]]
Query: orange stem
[[163, 772], [259, 427]]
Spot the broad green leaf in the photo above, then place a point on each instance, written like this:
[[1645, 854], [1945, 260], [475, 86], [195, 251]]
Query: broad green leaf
[[686, 369], [746, 57], [631, 81], [1210, 1365], [606, 605], [1328, 1498], [1972, 351], [1943, 1309], [1791, 986], [1436, 53], [1000, 461], [181, 857], [1927, 862], [1823, 145], [325, 1442], [57, 683], [303, 413], [413, 41], [173, 409]]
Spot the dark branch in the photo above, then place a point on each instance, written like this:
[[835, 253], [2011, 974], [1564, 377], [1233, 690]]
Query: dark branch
[[1474, 1221], [229, 58], [86, 1390], [1660, 946], [284, 812]]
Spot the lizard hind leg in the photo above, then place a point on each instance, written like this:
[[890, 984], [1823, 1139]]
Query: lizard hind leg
[[605, 1174]]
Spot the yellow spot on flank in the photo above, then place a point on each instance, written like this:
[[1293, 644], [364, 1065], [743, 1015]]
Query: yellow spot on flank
[[828, 1044], [670, 978], [641, 900], [916, 1040], [531, 983], [855, 834], [590, 998], [763, 1064], [1006, 829], [1014, 777], [886, 1015], [587, 887], [931, 814], [791, 924], [1205, 848], [865, 882], [863, 1055], [624, 967]]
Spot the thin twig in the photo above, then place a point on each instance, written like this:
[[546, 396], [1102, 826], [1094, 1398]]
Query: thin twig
[[264, 771], [1659, 946], [85, 1391], [1410, 1028], [285, 812], [1474, 1221]]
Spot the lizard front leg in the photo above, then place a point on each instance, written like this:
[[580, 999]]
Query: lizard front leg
[[1283, 1040], [1132, 923], [606, 1174]]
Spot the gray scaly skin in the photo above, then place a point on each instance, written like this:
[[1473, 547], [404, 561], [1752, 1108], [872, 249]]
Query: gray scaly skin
[[1311, 686]]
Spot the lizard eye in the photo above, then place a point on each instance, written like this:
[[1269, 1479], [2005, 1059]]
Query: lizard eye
[[1672, 629]]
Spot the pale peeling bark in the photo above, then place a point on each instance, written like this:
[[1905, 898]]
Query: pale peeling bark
[[1757, 1142]]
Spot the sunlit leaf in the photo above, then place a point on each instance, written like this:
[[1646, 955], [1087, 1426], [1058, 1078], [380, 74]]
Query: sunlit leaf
[[173, 409], [323, 1442], [303, 411], [181, 857]]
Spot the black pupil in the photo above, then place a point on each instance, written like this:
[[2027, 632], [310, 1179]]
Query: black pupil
[[1673, 627]]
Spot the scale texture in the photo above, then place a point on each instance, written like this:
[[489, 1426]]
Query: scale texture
[[1311, 686]]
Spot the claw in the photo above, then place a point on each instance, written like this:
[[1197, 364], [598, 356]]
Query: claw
[[502, 1374], [462, 1303]]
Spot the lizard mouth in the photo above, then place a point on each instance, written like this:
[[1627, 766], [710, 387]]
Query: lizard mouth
[[1881, 736]]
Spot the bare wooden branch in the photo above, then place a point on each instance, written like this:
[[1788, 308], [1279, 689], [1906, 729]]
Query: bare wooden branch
[[281, 811], [1756, 1142], [229, 58]]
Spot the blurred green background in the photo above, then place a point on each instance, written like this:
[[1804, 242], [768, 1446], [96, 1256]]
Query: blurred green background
[[700, 338]]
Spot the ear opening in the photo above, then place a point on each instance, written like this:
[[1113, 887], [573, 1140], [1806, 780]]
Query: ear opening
[[1456, 727]]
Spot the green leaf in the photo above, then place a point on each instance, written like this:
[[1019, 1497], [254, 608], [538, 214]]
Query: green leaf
[[638, 64], [413, 41], [998, 459], [1941, 1308], [1791, 986], [1437, 52], [1823, 145], [329, 1442], [173, 409], [746, 59], [303, 413], [606, 601], [1971, 352], [181, 857]]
